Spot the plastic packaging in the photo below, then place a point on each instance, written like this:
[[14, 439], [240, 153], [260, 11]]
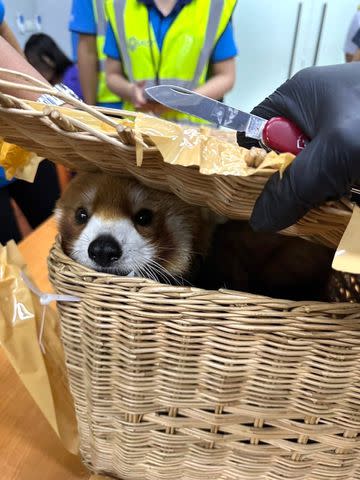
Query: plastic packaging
[[43, 374], [18, 162], [190, 146]]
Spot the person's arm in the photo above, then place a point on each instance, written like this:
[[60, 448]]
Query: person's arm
[[132, 92], [84, 24], [356, 56], [356, 47], [221, 81], [7, 34], [88, 67], [13, 60], [352, 46]]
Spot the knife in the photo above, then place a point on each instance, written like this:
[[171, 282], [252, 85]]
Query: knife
[[277, 134]]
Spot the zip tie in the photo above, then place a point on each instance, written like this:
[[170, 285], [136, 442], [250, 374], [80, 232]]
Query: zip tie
[[45, 300], [41, 332]]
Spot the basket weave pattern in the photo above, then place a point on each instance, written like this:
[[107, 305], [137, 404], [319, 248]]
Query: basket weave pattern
[[177, 383], [82, 147]]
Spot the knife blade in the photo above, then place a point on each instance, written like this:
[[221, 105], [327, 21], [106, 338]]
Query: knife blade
[[278, 133]]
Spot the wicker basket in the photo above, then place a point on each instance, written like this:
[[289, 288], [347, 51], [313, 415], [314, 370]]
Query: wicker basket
[[178, 383], [175, 383]]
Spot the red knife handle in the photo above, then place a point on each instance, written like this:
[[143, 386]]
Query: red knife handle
[[283, 136]]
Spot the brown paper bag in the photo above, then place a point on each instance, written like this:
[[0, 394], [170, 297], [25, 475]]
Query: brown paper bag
[[43, 374]]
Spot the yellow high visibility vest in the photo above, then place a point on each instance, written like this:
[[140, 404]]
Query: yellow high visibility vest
[[104, 94], [186, 51]]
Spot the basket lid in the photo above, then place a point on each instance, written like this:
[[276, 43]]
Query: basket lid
[[202, 165]]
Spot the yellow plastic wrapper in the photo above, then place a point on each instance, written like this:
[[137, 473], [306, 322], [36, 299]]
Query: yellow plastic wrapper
[[22, 317], [189, 146], [18, 162], [212, 151]]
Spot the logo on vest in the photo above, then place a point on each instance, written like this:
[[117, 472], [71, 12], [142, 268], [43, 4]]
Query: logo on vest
[[133, 43]]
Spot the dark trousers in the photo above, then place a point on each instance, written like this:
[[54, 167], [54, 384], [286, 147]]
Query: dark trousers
[[36, 201]]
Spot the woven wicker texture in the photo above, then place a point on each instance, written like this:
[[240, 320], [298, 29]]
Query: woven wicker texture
[[174, 383], [81, 145], [177, 383]]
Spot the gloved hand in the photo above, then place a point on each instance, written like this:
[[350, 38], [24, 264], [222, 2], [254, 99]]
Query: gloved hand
[[325, 104]]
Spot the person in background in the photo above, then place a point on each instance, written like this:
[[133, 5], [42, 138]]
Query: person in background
[[325, 169], [44, 54], [35, 200], [88, 23], [188, 43], [352, 42]]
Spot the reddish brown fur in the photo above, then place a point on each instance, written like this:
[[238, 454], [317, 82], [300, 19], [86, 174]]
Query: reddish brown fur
[[115, 199], [266, 263], [239, 259]]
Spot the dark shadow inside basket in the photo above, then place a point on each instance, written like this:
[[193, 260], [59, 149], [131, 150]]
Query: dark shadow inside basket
[[277, 265], [267, 264]]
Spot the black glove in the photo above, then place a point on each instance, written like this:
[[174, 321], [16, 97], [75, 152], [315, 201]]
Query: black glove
[[325, 104]]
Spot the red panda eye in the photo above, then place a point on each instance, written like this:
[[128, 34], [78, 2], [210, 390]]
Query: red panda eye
[[144, 217], [81, 216]]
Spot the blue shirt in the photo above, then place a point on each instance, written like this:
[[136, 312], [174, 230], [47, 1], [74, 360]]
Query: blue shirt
[[74, 45], [82, 18], [82, 21], [2, 12], [225, 47]]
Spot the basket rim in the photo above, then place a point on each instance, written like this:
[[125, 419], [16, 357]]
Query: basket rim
[[111, 279]]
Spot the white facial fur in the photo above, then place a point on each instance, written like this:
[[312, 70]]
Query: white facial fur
[[136, 251]]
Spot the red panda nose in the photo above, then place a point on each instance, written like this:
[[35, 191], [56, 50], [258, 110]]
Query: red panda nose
[[104, 250]]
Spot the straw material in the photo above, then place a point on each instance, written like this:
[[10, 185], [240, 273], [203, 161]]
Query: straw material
[[88, 140], [175, 383]]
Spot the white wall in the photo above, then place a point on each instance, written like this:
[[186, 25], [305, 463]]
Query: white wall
[[16, 7], [265, 32], [56, 14], [55, 19]]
